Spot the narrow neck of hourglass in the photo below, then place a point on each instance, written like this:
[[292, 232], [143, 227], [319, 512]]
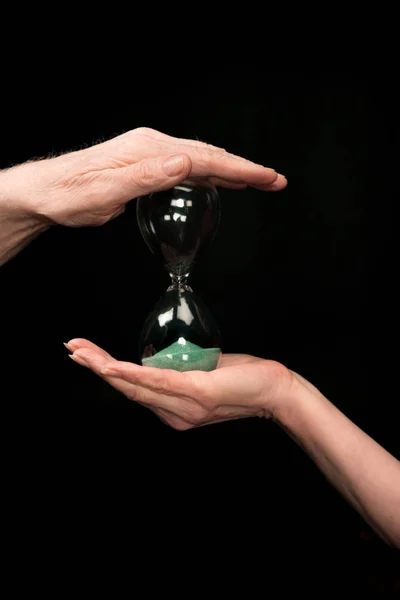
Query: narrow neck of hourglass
[[179, 283]]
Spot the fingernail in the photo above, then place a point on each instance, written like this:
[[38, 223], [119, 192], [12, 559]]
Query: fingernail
[[68, 347], [78, 359], [173, 166], [109, 372]]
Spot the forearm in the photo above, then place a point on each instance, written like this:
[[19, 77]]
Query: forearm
[[18, 225], [364, 472]]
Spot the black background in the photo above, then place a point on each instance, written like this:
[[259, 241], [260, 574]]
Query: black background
[[298, 276]]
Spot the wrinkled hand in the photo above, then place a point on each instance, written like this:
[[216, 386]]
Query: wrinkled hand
[[242, 386], [92, 186]]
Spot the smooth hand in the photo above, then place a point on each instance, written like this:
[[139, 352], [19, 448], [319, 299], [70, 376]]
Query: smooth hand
[[242, 386]]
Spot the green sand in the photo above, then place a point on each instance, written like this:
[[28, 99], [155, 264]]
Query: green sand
[[184, 356]]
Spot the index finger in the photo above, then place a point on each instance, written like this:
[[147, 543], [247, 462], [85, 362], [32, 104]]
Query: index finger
[[212, 161], [234, 169]]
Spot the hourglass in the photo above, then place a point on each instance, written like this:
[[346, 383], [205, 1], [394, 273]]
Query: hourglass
[[177, 225]]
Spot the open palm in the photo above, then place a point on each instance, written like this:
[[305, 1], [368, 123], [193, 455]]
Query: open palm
[[241, 386]]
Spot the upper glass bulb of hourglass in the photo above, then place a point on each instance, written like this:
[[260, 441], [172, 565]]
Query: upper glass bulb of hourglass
[[179, 224]]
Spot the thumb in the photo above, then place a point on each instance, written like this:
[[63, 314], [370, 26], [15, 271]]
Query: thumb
[[156, 174]]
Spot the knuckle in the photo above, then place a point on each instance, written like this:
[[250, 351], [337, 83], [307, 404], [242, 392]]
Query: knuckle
[[137, 394], [205, 158], [211, 149], [199, 390], [196, 415], [143, 131], [214, 150], [160, 383], [144, 171], [181, 426], [132, 395]]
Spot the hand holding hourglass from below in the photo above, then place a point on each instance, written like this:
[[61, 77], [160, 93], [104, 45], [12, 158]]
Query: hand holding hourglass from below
[[245, 386], [241, 386]]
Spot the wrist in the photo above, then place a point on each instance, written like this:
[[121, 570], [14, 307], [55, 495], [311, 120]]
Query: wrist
[[20, 193], [20, 223], [298, 392]]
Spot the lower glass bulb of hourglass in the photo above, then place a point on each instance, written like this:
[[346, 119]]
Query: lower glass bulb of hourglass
[[180, 334]]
